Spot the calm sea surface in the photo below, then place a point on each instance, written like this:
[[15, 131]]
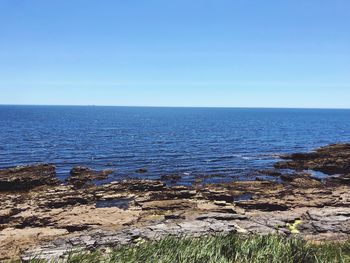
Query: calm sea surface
[[222, 144]]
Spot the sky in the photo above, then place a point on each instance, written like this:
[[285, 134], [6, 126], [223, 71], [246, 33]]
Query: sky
[[206, 53]]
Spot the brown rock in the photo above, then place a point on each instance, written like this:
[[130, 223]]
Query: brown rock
[[27, 177], [168, 205], [301, 180], [80, 176], [332, 159], [172, 177], [141, 170], [341, 179], [91, 216]]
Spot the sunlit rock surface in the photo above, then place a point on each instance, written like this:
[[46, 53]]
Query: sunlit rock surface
[[43, 217]]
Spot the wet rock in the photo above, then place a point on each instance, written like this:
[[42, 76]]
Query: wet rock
[[332, 159], [7, 214], [134, 186], [219, 195], [122, 203], [301, 180], [173, 193], [80, 176], [263, 206], [125, 211], [341, 179], [172, 177], [221, 216], [302, 156], [33, 221], [141, 171], [68, 201], [27, 177], [76, 228], [144, 185]]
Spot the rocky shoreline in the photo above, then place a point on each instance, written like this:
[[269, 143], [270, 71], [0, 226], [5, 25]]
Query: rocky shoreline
[[41, 216]]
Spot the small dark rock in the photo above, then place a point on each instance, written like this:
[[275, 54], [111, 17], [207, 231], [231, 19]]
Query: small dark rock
[[173, 177], [221, 216], [263, 206], [173, 217], [341, 179], [141, 171], [76, 228]]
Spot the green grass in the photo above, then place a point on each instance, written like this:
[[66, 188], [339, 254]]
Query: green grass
[[220, 249]]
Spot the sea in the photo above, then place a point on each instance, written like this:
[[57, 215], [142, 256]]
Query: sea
[[191, 144]]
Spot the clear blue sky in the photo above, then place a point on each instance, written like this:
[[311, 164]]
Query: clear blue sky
[[273, 53]]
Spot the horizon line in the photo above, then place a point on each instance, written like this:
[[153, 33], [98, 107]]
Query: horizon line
[[152, 106]]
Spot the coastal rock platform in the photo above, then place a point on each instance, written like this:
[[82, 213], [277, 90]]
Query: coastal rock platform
[[47, 219]]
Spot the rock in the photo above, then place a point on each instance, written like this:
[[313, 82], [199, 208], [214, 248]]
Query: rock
[[341, 179], [65, 201], [24, 238], [332, 159], [194, 226], [301, 180], [141, 171], [330, 220], [173, 193], [219, 195], [173, 177], [168, 205], [221, 216], [33, 221], [27, 177], [305, 182], [263, 205], [303, 156], [80, 176], [173, 217], [76, 227], [127, 211], [221, 203], [6, 214], [144, 185]]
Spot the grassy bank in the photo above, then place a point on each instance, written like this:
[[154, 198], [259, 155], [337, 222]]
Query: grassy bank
[[220, 249]]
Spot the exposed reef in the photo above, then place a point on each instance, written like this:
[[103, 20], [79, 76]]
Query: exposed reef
[[40, 216], [27, 177], [81, 176], [331, 160]]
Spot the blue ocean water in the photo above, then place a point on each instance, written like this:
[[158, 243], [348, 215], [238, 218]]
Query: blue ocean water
[[215, 143]]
